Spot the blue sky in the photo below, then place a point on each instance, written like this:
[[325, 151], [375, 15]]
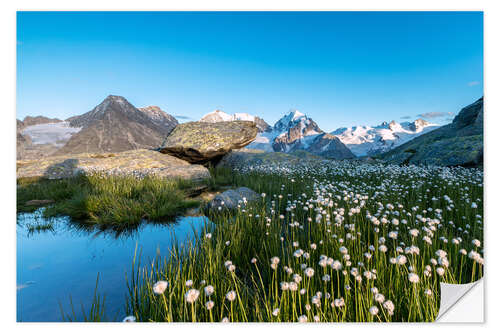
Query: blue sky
[[340, 68]]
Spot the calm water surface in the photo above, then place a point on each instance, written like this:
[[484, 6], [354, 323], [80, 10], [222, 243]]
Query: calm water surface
[[52, 265]]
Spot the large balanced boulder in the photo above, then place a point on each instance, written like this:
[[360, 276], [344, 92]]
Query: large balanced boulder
[[201, 142], [230, 199], [138, 163]]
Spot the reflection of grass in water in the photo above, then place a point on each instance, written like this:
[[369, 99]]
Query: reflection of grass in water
[[37, 228], [117, 202]]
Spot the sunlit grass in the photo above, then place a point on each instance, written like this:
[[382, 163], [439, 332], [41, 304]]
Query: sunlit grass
[[114, 201], [327, 242]]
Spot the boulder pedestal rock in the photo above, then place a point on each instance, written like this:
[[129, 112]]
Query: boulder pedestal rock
[[200, 142]]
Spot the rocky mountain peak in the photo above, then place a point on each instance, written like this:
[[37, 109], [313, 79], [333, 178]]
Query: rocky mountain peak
[[418, 125], [291, 119], [470, 115], [393, 125], [160, 117]]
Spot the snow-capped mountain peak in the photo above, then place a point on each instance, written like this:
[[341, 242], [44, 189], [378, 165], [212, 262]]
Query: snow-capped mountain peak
[[243, 116], [216, 116], [295, 131], [293, 118], [367, 140]]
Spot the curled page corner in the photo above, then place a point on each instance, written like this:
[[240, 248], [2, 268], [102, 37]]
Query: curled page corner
[[462, 303]]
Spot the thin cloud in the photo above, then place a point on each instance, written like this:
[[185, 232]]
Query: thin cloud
[[473, 83], [182, 117], [406, 117], [432, 115]]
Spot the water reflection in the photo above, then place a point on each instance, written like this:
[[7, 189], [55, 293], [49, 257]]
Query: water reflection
[[65, 260]]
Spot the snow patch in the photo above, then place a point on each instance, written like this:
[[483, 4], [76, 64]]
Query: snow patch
[[51, 133]]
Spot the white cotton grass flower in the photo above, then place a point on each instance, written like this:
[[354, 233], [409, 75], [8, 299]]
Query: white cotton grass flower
[[382, 248], [440, 271], [209, 305], [209, 290], [336, 265], [379, 298], [292, 286], [338, 302], [389, 306], [160, 287], [189, 283], [401, 260], [297, 278], [441, 254], [231, 296], [373, 310], [208, 236], [253, 261], [192, 295], [129, 319], [276, 312], [309, 272], [413, 278], [225, 320]]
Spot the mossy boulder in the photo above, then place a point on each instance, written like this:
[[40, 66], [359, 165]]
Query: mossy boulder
[[201, 142]]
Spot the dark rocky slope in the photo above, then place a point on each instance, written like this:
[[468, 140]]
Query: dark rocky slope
[[457, 144]]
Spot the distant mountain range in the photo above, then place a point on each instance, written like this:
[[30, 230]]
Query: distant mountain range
[[112, 126], [218, 115], [369, 141], [116, 125], [294, 132]]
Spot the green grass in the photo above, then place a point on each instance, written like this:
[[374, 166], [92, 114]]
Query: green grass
[[110, 201], [320, 209]]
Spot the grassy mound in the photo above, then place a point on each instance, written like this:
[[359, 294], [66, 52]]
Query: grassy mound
[[114, 201]]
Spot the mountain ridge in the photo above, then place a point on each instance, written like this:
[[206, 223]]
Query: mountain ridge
[[459, 143], [116, 125], [372, 140]]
